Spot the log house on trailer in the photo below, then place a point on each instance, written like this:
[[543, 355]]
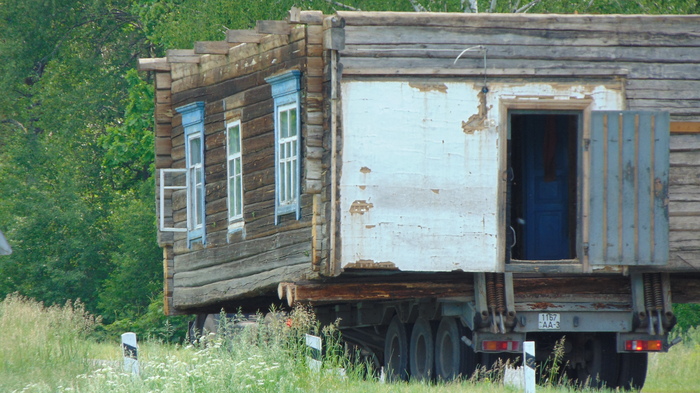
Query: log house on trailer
[[463, 178]]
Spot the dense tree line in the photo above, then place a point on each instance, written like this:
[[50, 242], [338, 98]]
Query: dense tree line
[[76, 140]]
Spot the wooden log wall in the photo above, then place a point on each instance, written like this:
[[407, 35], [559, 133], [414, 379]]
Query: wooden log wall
[[229, 77], [659, 56]]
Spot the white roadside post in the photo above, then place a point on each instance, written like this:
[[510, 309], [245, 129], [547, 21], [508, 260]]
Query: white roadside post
[[529, 366], [130, 351], [315, 344]]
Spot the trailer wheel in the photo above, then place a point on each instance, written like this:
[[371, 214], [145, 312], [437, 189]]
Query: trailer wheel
[[633, 370], [421, 350], [447, 350], [396, 351], [601, 362]]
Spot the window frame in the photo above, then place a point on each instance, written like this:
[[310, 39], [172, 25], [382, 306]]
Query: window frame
[[286, 91], [235, 218], [193, 129]]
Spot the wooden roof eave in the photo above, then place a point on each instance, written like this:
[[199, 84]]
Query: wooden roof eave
[[154, 64]]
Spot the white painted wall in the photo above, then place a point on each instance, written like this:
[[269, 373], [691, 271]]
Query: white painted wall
[[426, 190]]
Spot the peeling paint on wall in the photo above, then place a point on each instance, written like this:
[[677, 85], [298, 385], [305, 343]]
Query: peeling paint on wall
[[424, 87], [364, 169], [435, 190], [360, 207], [478, 121]]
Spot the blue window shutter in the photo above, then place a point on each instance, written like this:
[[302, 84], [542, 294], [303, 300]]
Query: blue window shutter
[[193, 125], [628, 188]]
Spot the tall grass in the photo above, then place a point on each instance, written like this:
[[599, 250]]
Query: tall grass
[[679, 369], [47, 350], [42, 344]]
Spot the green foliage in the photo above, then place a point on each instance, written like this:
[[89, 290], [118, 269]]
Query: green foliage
[[687, 316], [128, 146]]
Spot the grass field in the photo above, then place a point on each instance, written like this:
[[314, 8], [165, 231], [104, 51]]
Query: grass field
[[49, 350]]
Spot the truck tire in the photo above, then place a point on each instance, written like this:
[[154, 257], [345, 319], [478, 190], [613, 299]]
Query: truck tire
[[633, 370], [601, 368], [447, 350], [396, 351], [421, 351]]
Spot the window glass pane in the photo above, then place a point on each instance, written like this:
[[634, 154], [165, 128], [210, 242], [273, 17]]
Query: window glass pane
[[284, 124], [293, 148], [290, 174], [195, 151], [234, 140], [238, 193], [293, 122], [237, 165], [198, 208], [231, 207], [231, 168]]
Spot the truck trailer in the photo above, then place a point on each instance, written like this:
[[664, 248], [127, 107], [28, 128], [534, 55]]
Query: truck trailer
[[445, 185]]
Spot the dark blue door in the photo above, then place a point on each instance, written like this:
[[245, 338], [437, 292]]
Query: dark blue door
[[545, 175]]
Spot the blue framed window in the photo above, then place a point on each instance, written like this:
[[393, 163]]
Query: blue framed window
[[234, 171], [193, 124], [286, 94]]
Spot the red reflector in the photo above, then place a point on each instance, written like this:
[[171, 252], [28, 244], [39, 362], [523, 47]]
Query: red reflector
[[500, 346], [643, 345]]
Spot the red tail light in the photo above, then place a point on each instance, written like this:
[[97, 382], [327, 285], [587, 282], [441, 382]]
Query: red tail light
[[643, 345], [500, 346]]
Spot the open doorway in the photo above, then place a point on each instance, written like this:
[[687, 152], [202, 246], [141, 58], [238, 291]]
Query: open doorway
[[543, 187]]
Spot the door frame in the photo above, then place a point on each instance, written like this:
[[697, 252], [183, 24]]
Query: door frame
[[581, 105]]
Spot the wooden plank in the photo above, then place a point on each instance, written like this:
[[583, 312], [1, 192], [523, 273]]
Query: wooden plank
[[296, 15], [271, 259], [685, 223], [196, 260], [278, 27], [213, 47], [685, 127], [611, 23], [154, 64], [239, 287], [511, 67], [661, 55], [163, 80], [685, 193], [496, 36], [553, 287], [686, 287], [685, 158], [309, 292], [363, 67], [243, 36]]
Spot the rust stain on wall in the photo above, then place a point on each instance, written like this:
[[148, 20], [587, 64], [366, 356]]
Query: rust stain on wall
[[371, 264], [424, 87], [364, 169], [360, 207], [477, 122]]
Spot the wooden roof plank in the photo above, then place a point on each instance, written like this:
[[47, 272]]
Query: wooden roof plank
[[279, 27], [213, 47], [154, 64], [243, 36]]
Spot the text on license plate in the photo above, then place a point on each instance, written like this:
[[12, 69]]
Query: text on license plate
[[548, 321]]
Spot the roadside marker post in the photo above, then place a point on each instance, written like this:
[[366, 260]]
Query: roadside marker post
[[131, 355], [529, 366]]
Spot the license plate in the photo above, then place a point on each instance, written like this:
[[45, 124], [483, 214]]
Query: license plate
[[548, 321]]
